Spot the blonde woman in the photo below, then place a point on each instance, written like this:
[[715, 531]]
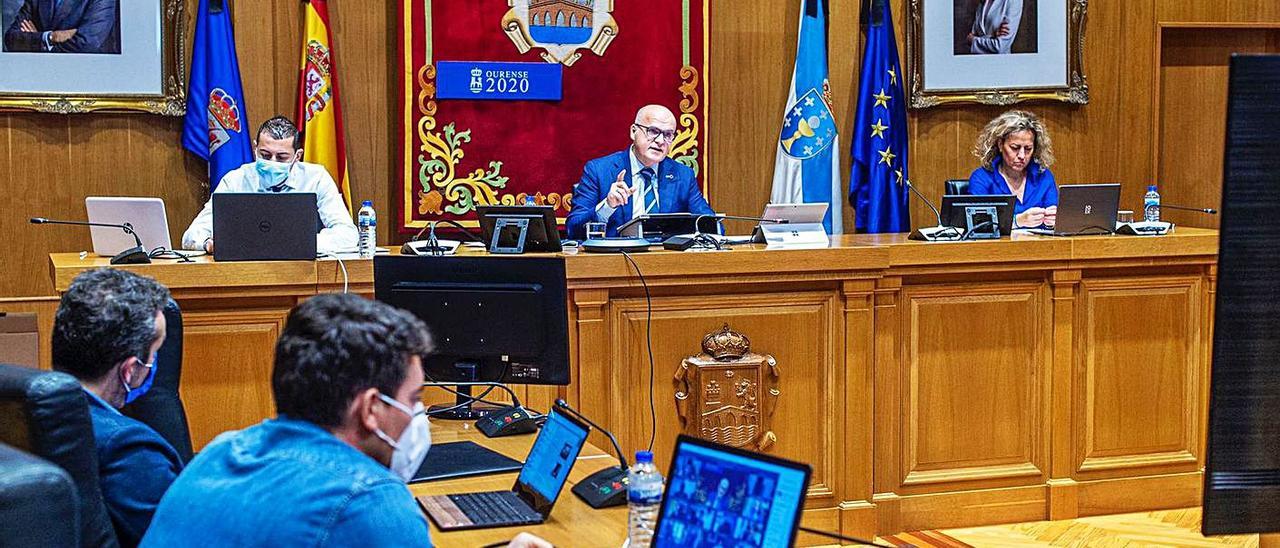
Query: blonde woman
[[1016, 153]]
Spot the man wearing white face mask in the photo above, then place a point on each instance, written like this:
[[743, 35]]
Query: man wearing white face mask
[[279, 168], [330, 469]]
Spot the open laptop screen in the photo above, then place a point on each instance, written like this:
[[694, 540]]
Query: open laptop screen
[[552, 456], [721, 496]]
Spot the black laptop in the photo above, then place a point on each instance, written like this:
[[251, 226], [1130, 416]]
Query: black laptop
[[723, 496], [264, 226], [537, 487], [1085, 210]]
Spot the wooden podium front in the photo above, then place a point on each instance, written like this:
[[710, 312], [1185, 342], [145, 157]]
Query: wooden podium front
[[928, 384]]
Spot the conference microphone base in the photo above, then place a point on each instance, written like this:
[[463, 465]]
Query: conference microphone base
[[133, 255], [937, 234], [603, 489]]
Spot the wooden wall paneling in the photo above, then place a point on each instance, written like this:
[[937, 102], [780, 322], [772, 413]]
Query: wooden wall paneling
[[802, 330], [1140, 376], [1192, 105], [857, 420], [44, 184], [595, 368], [973, 382], [1063, 500], [887, 393], [44, 308], [227, 360]]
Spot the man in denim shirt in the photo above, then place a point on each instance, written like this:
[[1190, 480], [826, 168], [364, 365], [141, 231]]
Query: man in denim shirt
[[348, 388]]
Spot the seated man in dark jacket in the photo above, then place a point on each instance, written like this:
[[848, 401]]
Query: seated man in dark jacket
[[106, 333]]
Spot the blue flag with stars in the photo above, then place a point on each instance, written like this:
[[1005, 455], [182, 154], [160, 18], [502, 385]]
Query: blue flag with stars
[[877, 184], [807, 166]]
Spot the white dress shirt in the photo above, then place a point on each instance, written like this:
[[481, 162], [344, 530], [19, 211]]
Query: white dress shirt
[[603, 211], [339, 232]]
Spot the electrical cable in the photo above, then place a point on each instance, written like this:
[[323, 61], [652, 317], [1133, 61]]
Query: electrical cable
[[854, 540], [648, 336]]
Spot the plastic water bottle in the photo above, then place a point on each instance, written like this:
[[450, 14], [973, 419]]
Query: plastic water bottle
[[367, 222], [644, 495], [1151, 205]]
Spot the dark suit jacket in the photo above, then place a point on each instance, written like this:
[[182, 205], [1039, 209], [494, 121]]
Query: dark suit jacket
[[135, 468], [678, 192], [97, 24]]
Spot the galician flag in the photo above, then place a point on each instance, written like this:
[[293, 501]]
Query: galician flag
[[807, 168], [319, 115]]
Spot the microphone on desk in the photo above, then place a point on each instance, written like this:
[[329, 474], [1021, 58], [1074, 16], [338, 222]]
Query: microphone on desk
[[607, 487], [133, 255], [938, 233], [681, 243], [1207, 210]]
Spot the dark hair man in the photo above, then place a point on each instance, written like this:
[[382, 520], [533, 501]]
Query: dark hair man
[[330, 469], [279, 168], [106, 333]]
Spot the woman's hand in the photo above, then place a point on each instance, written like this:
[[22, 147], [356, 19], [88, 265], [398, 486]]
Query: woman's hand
[[1050, 216], [1032, 217]]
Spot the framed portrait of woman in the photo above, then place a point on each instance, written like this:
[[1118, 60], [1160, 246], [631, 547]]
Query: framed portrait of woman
[[996, 52], [72, 56]]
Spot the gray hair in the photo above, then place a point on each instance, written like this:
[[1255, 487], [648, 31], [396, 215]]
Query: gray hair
[[1013, 121], [279, 127]]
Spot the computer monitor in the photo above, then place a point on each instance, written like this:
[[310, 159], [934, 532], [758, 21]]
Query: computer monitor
[[539, 222], [723, 496], [499, 319], [955, 207]]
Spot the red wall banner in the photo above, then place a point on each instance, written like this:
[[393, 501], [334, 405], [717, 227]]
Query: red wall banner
[[617, 57]]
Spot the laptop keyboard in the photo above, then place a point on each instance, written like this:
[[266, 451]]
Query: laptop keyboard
[[496, 508]]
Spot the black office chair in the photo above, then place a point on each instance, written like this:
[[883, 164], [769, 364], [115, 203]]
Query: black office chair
[[952, 187], [161, 407], [38, 502], [45, 413]]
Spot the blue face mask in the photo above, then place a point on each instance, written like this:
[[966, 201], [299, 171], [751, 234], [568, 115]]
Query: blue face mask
[[271, 173], [131, 394]]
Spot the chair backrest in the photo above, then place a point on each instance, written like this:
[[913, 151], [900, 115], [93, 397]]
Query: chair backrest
[[161, 407], [954, 187], [38, 502], [45, 413]]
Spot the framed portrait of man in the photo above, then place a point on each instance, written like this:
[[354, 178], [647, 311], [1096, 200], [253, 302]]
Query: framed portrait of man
[[996, 52], [70, 56]]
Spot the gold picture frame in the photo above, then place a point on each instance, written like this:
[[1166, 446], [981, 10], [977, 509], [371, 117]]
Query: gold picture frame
[[1074, 86], [169, 98]]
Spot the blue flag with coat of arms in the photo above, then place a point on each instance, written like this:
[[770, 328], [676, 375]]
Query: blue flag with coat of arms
[[877, 184], [215, 126], [807, 167]]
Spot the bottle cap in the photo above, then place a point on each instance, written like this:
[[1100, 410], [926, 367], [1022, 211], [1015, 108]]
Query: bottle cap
[[1151, 187], [367, 203], [644, 456]]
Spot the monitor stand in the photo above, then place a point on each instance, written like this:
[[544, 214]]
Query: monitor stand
[[464, 407]]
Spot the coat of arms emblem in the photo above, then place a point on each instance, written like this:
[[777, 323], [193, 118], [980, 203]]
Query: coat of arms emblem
[[727, 394], [560, 27]]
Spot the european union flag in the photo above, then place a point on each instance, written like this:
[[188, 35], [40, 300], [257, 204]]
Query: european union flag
[[807, 167], [877, 186], [215, 125]]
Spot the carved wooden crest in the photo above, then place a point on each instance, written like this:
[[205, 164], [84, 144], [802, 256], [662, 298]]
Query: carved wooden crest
[[728, 394]]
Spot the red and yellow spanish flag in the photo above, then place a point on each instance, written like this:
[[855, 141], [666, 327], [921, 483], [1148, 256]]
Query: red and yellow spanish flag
[[318, 112]]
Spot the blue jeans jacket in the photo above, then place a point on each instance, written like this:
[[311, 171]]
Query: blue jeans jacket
[[286, 482]]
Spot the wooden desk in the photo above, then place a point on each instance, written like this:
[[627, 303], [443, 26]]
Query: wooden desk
[[572, 522], [928, 384]]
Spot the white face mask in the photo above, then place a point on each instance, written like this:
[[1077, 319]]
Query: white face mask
[[411, 449]]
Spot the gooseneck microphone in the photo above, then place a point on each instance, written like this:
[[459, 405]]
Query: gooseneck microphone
[[1207, 210], [607, 487], [681, 243], [133, 255], [937, 233]]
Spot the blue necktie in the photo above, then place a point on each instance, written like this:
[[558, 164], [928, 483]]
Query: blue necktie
[[648, 190]]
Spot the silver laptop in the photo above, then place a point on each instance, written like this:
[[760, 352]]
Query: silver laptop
[[145, 215], [795, 213]]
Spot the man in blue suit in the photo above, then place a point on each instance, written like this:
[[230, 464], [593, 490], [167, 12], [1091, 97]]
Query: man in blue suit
[[636, 181], [106, 333], [65, 26]]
